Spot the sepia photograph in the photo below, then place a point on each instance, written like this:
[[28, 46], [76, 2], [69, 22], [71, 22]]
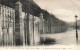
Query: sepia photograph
[[32, 23]]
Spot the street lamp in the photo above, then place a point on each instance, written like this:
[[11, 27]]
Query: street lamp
[[76, 29]]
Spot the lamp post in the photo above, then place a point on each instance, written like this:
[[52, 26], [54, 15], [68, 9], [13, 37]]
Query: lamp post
[[76, 29]]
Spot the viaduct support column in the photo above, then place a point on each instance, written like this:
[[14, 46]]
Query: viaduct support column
[[18, 21], [41, 24], [31, 29]]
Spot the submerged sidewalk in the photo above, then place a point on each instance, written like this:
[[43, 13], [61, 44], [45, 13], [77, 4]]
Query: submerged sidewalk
[[65, 38]]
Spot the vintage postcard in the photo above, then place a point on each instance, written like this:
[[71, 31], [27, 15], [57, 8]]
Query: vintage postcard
[[39, 24]]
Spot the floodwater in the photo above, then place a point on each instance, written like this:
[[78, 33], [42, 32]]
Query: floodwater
[[65, 38]]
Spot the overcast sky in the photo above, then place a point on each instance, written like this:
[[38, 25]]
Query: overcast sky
[[62, 9]]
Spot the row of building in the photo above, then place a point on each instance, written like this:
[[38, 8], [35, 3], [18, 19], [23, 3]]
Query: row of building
[[22, 22]]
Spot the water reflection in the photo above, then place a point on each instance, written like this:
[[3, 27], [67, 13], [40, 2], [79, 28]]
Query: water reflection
[[66, 38], [48, 41]]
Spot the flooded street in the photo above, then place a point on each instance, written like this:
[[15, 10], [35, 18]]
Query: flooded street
[[65, 38]]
